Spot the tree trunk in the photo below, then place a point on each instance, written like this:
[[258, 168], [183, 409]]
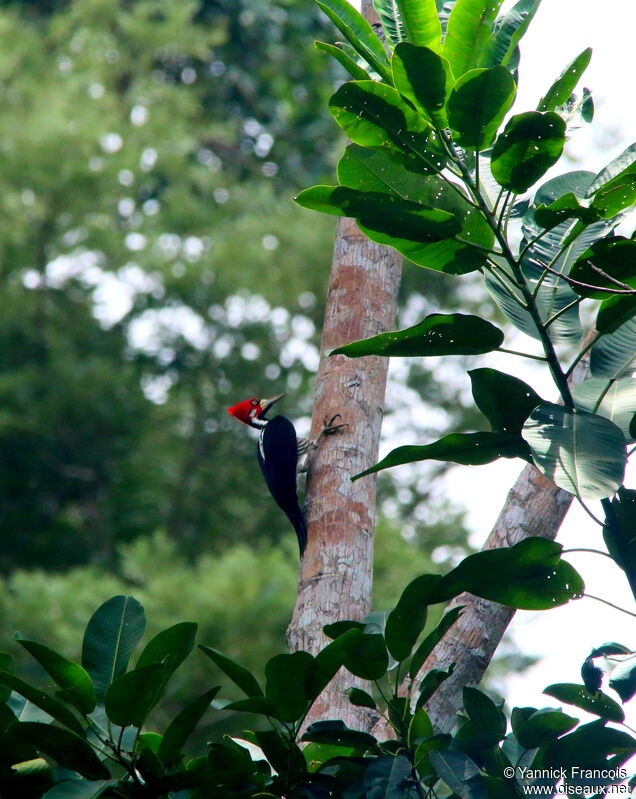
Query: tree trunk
[[336, 571]]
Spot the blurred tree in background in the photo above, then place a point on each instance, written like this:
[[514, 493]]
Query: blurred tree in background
[[153, 271]]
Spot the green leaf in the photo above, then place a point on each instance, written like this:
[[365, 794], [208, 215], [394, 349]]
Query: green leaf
[[421, 23], [432, 639], [601, 265], [614, 354], [613, 399], [329, 660], [407, 620], [67, 749], [559, 93], [504, 400], [583, 453], [618, 531], [596, 703], [6, 664], [437, 334], [468, 33], [359, 33], [253, 704], [430, 683], [562, 209], [344, 59], [483, 712], [339, 628], [365, 656], [182, 726], [71, 677], [361, 698], [478, 104], [49, 704], [470, 449], [616, 167], [623, 678], [112, 633], [391, 21], [375, 115], [529, 575], [459, 772], [170, 647], [614, 312], [384, 777], [508, 33], [544, 726], [589, 745], [425, 78], [420, 728], [130, 698], [338, 734], [79, 789], [286, 676], [240, 676], [530, 144], [388, 216]]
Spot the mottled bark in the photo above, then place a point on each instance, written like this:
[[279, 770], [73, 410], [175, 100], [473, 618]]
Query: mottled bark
[[336, 571]]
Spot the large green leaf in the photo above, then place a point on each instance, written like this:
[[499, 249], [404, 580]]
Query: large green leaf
[[239, 675], [484, 713], [338, 734], [529, 575], [459, 772], [344, 59], [389, 15], [79, 789], [618, 532], [407, 620], [613, 399], [478, 104], [67, 749], [329, 660], [388, 216], [425, 78], [182, 726], [286, 675], [543, 727], [616, 167], [171, 646], [508, 32], [581, 452], [530, 144], [366, 656], [384, 777], [559, 93], [614, 312], [71, 677], [587, 747], [614, 354], [504, 400], [49, 704], [375, 115], [421, 23], [112, 633], [561, 210], [614, 188], [468, 32], [603, 264], [130, 698], [437, 334], [597, 703], [358, 33], [469, 449], [432, 639]]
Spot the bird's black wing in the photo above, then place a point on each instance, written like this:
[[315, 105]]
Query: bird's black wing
[[278, 456]]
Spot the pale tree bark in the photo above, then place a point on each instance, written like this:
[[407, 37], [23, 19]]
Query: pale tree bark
[[336, 571]]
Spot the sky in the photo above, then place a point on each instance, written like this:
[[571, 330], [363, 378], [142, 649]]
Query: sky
[[563, 637]]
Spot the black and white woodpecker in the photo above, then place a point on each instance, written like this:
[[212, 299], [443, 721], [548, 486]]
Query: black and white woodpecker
[[281, 456]]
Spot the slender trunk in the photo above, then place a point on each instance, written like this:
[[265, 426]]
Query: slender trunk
[[336, 571]]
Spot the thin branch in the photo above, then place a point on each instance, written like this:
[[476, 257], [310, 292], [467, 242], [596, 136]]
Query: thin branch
[[563, 310], [611, 604], [522, 354], [579, 283], [589, 512], [585, 549], [583, 353]]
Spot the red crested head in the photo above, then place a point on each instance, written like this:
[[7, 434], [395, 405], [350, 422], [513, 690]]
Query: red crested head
[[252, 411]]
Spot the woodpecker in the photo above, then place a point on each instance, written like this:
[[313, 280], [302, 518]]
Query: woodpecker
[[281, 455]]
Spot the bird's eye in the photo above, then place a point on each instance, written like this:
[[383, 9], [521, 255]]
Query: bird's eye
[[255, 402]]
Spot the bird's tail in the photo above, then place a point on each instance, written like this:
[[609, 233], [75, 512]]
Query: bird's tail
[[296, 517]]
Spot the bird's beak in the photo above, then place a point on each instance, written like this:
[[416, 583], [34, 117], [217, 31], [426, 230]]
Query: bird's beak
[[266, 404]]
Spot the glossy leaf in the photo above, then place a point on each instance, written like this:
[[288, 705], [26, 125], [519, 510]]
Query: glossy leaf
[[470, 449], [67, 749], [240, 676], [421, 23], [616, 167], [170, 647], [182, 726], [71, 677], [530, 144], [614, 194], [608, 264], [329, 660], [389, 15], [384, 777], [562, 209], [286, 675], [529, 575], [618, 531], [130, 698], [597, 703], [614, 312], [468, 33], [366, 656], [617, 400], [581, 452], [49, 704], [588, 745], [424, 78], [478, 104], [543, 727], [430, 682], [344, 59], [338, 734], [358, 32], [459, 772], [432, 639], [560, 91], [508, 33], [437, 334], [407, 620], [112, 633], [79, 789], [483, 712], [614, 354], [361, 698], [504, 400]]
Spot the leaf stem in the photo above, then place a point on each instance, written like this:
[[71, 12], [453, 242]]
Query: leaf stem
[[563, 310], [522, 354], [611, 604], [585, 549]]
